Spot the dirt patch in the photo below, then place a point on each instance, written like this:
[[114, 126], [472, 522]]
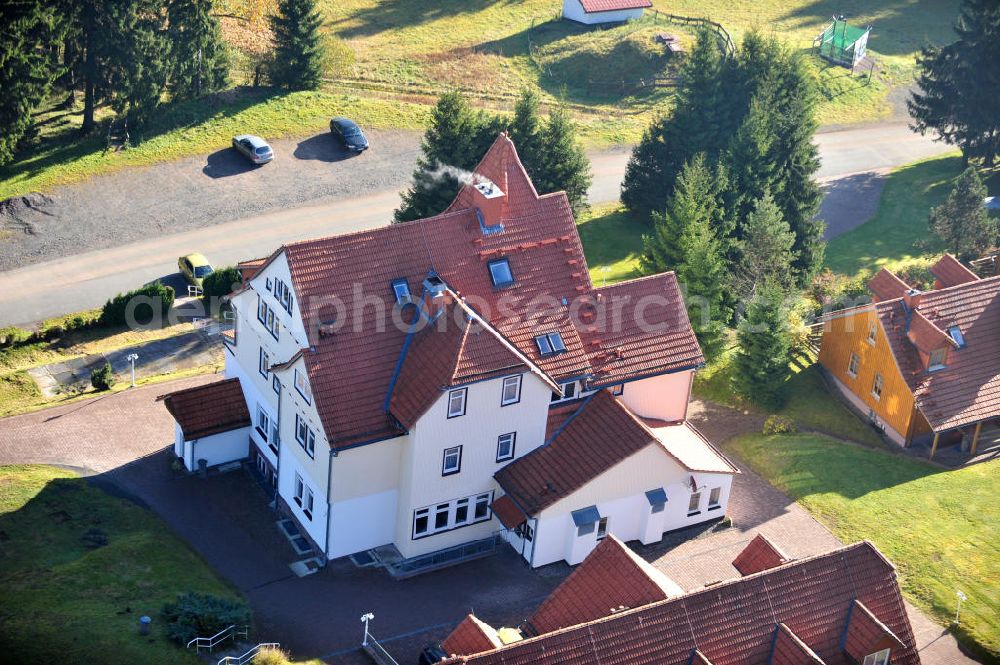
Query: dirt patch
[[20, 214]]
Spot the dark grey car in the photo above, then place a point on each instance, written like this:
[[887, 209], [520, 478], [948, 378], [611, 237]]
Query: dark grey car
[[253, 148], [347, 132]]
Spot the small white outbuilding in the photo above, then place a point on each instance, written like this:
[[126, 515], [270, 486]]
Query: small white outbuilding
[[596, 12], [213, 424]]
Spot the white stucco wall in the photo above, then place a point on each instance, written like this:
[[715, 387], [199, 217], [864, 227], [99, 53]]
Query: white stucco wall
[[421, 483], [573, 10], [216, 449], [619, 495], [664, 397]]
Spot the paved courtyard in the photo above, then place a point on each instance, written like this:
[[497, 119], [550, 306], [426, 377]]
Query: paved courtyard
[[122, 440]]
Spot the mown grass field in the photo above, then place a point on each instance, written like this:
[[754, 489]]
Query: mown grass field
[[62, 601], [939, 528], [612, 242]]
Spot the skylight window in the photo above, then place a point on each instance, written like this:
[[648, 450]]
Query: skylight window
[[500, 273], [956, 334], [550, 343], [401, 289]]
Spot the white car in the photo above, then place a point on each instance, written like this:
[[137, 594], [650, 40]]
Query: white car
[[253, 148]]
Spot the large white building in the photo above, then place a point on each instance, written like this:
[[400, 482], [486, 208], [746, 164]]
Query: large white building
[[428, 384]]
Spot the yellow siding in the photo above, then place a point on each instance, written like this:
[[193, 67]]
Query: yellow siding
[[849, 333]]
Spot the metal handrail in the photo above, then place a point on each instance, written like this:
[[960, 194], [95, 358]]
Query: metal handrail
[[376, 651], [249, 655], [211, 642]]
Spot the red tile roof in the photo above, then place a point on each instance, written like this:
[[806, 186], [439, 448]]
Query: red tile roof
[[788, 649], [471, 636], [759, 554], [865, 634], [733, 623], [350, 371], [925, 335], [595, 6], [249, 268], [951, 272], [698, 658], [209, 409], [885, 285], [610, 579], [967, 390], [450, 352], [507, 511]]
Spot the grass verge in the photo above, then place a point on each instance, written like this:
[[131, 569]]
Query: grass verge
[[612, 243], [65, 601], [940, 528]]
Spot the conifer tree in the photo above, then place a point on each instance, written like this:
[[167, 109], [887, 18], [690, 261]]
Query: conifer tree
[[765, 252], [702, 275], [761, 362], [298, 45], [525, 130], [962, 221], [199, 61], [560, 161], [959, 85], [695, 200]]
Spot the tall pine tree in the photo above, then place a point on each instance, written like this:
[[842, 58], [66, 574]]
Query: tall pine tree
[[761, 363], [199, 61], [298, 45], [962, 221], [560, 163], [525, 131], [765, 252], [702, 275], [959, 85]]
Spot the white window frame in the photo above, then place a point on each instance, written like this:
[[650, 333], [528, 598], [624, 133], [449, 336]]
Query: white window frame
[[512, 438], [476, 508], [305, 435], [878, 383], [308, 504], [463, 395], [853, 365], [302, 386], [872, 332], [263, 422], [694, 500], [715, 498], [263, 363], [493, 277], [452, 452], [878, 658], [511, 382]]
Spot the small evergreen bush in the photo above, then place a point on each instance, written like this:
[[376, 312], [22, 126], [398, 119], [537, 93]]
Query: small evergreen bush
[[779, 425], [160, 298], [221, 282], [201, 615], [102, 378]]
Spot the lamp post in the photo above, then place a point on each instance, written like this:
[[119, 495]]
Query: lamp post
[[365, 618], [132, 357], [961, 597]]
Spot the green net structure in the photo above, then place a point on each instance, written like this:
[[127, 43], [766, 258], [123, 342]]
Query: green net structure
[[843, 43]]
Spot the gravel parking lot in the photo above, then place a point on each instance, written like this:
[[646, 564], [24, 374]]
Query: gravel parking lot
[[191, 193]]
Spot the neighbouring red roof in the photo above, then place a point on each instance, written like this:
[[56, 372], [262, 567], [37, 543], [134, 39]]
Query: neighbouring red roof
[[967, 389], [610, 579], [596, 6], [507, 511], [448, 353], [471, 636], [734, 622], [865, 634], [209, 409], [788, 649], [249, 268], [885, 285], [759, 554], [698, 658], [951, 272], [351, 370], [925, 335]]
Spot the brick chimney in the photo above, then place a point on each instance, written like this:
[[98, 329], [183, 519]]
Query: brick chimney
[[490, 201], [912, 298]]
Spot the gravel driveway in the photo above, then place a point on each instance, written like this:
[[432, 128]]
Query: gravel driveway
[[194, 192]]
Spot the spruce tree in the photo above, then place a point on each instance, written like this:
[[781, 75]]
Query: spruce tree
[[959, 85], [28, 66], [525, 130], [765, 252], [702, 275], [199, 61], [560, 161], [695, 201], [761, 362], [962, 221], [298, 45]]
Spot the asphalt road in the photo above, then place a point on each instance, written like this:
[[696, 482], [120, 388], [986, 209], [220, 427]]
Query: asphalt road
[[87, 279]]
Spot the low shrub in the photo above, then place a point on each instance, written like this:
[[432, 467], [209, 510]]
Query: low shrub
[[221, 282], [202, 615], [156, 302], [272, 657], [11, 335], [102, 378], [779, 425]]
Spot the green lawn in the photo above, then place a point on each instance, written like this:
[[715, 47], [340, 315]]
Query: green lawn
[[808, 401], [64, 602], [898, 234], [612, 242], [940, 529]]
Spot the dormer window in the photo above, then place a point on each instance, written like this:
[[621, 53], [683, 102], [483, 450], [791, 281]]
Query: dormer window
[[937, 359], [401, 289], [550, 343], [877, 658], [956, 334], [500, 273]]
